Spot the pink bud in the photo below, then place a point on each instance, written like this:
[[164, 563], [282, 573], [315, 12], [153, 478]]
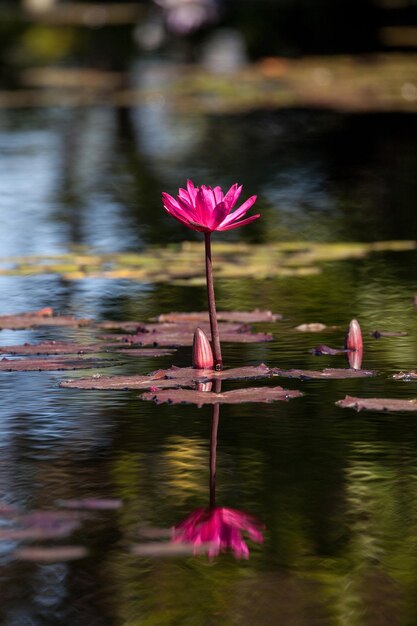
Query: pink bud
[[353, 339], [202, 354], [354, 358]]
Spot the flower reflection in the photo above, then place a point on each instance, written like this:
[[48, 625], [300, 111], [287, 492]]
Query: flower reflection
[[217, 530]]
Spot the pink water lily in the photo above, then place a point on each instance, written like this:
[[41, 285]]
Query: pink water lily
[[207, 209], [217, 530]]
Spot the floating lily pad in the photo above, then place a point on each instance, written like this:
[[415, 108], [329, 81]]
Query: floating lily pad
[[172, 327], [323, 350], [313, 327], [41, 525], [377, 404], [387, 333], [405, 375], [51, 554], [50, 347], [157, 549], [172, 377], [327, 373], [145, 352], [92, 504], [236, 396], [51, 364], [120, 383], [43, 317], [245, 317], [182, 338]]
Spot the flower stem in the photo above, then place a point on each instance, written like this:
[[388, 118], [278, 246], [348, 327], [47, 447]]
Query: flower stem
[[213, 449], [217, 354]]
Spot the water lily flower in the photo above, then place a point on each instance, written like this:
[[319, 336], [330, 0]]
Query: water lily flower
[[205, 209], [217, 530]]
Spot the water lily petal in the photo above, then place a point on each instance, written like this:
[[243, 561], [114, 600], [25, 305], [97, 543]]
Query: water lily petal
[[240, 211], [241, 223]]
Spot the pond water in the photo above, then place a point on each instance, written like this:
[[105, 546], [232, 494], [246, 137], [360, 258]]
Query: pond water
[[334, 490]]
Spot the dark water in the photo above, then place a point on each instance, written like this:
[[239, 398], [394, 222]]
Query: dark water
[[335, 490]]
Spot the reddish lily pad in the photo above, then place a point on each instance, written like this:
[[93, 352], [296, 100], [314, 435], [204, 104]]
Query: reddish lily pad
[[51, 554], [51, 364], [91, 504], [244, 317], [405, 375], [43, 317], [322, 350], [377, 334], [377, 404], [327, 373], [172, 377], [236, 396], [185, 338]]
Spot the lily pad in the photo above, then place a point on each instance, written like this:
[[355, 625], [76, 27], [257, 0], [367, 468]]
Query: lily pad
[[120, 383], [51, 554], [172, 377], [185, 338], [322, 350], [51, 364], [92, 504], [376, 334], [377, 404], [245, 317], [51, 347], [145, 352], [327, 373], [164, 549], [172, 327], [412, 375], [236, 396], [41, 525], [313, 327], [43, 317]]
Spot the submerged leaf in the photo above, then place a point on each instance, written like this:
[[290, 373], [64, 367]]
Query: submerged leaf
[[327, 373], [236, 396], [377, 404]]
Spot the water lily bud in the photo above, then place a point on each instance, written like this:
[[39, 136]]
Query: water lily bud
[[202, 354], [354, 358], [353, 339]]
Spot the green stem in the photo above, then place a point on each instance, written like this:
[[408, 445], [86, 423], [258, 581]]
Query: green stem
[[215, 339]]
